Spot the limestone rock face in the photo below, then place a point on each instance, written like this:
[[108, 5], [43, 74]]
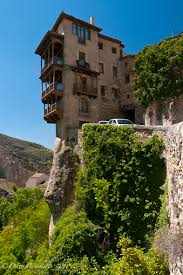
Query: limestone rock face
[[174, 156], [60, 191]]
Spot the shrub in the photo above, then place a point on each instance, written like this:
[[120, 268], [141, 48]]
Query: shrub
[[22, 198], [74, 238], [120, 184]]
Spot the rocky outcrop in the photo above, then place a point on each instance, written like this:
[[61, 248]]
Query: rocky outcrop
[[12, 170], [60, 191], [174, 156]]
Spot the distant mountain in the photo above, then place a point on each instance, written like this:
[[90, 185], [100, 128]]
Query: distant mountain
[[19, 159]]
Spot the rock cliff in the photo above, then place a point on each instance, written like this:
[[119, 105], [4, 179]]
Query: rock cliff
[[60, 191]]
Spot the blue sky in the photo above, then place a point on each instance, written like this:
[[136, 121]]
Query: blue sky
[[24, 22]]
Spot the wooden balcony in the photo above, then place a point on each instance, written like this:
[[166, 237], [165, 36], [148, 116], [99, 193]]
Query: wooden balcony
[[53, 89], [56, 62], [52, 113], [79, 88], [51, 37]]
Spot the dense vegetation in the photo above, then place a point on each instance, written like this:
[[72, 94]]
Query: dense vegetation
[[24, 219], [109, 230], [159, 71]]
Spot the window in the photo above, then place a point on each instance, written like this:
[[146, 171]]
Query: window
[[115, 92], [82, 56], [114, 50], [81, 32], [88, 34], [101, 68], [83, 106], [126, 64], [100, 45], [102, 89], [128, 96], [115, 72], [127, 78], [74, 29]]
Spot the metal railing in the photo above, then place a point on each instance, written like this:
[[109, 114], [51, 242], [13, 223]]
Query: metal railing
[[84, 89], [82, 64]]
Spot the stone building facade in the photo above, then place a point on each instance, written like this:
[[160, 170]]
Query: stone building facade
[[37, 180], [130, 108], [86, 77]]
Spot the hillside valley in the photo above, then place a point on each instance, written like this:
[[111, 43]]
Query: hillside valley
[[19, 159]]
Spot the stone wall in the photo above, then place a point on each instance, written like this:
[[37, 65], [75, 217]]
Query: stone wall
[[165, 113], [174, 157]]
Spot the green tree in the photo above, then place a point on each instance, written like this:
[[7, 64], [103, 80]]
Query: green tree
[[159, 71], [21, 199]]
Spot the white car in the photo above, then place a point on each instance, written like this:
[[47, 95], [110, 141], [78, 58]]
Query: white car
[[120, 121], [103, 122]]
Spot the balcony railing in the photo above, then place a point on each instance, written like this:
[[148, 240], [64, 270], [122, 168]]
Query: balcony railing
[[53, 87], [54, 60], [79, 88], [50, 109], [52, 113], [82, 64]]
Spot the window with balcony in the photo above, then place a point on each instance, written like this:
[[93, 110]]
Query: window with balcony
[[83, 106], [84, 81], [101, 68], [115, 71]]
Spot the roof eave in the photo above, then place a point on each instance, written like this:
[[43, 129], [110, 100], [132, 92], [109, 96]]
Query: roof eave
[[111, 39], [70, 17]]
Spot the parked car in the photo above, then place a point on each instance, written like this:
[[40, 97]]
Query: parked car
[[120, 121], [103, 122]]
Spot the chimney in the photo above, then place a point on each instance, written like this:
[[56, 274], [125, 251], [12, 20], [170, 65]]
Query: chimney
[[92, 22]]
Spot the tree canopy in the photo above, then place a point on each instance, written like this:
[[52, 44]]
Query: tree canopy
[[159, 71]]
